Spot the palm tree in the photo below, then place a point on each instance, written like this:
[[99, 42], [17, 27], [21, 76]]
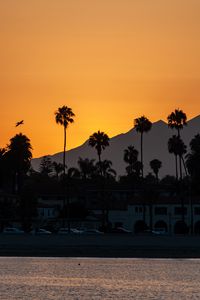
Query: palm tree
[[58, 168], [173, 148], [131, 158], [193, 166], [142, 125], [182, 149], [2, 165], [73, 173], [99, 140], [64, 116], [46, 165], [193, 158], [107, 171], [177, 120], [178, 148], [155, 165], [19, 154], [87, 167]]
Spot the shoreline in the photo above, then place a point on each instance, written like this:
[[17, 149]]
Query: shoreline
[[107, 246]]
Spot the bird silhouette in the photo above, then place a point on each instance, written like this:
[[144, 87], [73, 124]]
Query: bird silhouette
[[19, 123]]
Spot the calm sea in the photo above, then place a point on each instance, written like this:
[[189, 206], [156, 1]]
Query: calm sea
[[79, 278]]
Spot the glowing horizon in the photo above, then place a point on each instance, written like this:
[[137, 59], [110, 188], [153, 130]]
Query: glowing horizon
[[110, 61]]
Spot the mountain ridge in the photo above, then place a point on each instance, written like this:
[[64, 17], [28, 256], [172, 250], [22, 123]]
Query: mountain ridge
[[155, 146]]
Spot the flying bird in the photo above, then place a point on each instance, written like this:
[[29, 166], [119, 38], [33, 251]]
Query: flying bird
[[19, 123]]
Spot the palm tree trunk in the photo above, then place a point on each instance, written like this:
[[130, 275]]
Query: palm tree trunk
[[100, 164], [180, 165], [64, 150], [186, 172], [141, 145], [65, 192], [102, 195], [176, 167], [157, 177]]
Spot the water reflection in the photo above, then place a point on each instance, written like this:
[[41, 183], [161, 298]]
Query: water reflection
[[78, 278]]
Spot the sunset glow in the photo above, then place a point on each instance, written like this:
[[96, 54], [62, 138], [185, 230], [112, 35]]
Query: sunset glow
[[110, 61]]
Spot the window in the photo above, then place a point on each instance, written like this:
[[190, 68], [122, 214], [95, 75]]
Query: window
[[161, 210], [180, 210], [138, 209]]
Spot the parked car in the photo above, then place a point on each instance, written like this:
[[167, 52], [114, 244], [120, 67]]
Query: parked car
[[159, 231], [91, 232], [40, 231], [12, 230], [66, 231], [121, 230]]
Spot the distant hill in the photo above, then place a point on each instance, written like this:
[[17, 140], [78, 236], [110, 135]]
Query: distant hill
[[155, 146]]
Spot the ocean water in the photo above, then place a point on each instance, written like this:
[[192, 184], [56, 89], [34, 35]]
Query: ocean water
[[99, 278]]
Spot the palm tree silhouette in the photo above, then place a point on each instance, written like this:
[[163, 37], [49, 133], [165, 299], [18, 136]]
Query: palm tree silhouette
[[20, 154], [178, 120], [87, 168], [182, 149], [155, 165], [2, 165], [173, 148], [73, 173], [58, 168], [64, 116], [107, 171], [193, 159], [131, 158], [46, 165], [99, 140], [142, 125]]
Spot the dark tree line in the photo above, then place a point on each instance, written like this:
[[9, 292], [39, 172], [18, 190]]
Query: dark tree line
[[17, 176]]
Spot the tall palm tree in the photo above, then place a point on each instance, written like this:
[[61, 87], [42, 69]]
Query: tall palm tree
[[155, 165], [193, 167], [131, 158], [2, 165], [177, 120], [182, 149], [178, 148], [142, 125], [173, 148], [64, 116], [19, 154], [21, 151], [193, 159], [99, 140]]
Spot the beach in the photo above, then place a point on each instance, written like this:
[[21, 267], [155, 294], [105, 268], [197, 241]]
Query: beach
[[100, 246]]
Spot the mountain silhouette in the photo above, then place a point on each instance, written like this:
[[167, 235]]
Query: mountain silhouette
[[155, 146]]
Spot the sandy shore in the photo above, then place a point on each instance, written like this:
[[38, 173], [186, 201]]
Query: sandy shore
[[100, 246]]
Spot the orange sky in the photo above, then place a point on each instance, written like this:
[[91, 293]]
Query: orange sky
[[109, 60]]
